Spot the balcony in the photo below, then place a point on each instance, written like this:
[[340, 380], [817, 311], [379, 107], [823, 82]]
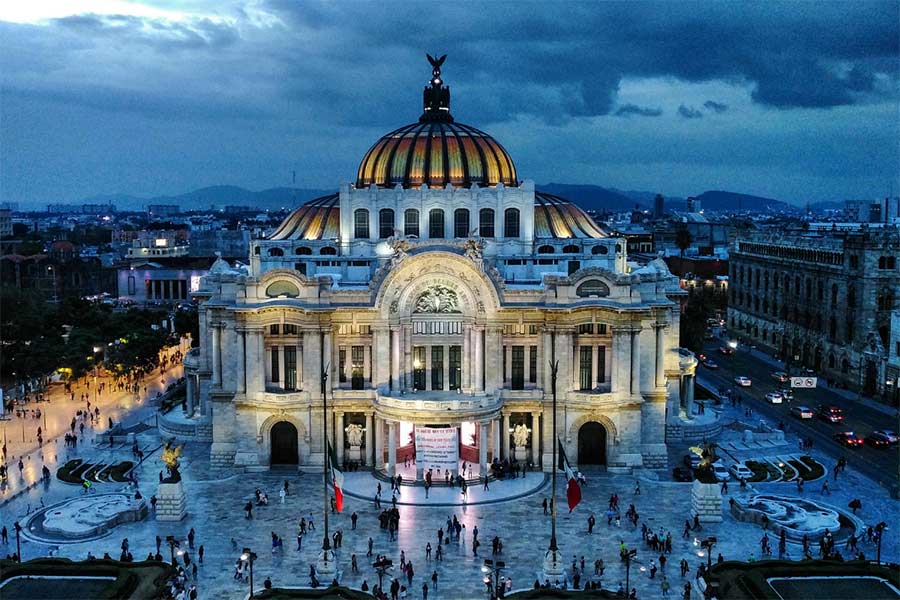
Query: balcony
[[431, 407]]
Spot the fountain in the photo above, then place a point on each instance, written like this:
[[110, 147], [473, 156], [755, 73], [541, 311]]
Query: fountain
[[85, 517], [798, 517]]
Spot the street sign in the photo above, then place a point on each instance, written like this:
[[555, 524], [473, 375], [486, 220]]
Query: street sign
[[803, 382]]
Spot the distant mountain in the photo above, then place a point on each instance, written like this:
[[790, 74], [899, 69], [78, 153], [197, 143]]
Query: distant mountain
[[213, 196], [717, 200], [590, 197]]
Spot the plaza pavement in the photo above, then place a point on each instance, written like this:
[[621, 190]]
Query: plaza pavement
[[216, 499]]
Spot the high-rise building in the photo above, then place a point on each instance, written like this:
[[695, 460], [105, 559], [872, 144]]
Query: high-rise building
[[659, 207]]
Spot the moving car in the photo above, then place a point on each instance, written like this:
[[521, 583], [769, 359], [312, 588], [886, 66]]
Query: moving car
[[890, 435], [876, 439], [740, 471], [787, 393], [832, 414], [701, 357], [848, 439], [710, 364], [802, 412], [780, 377], [682, 474], [691, 460], [726, 350], [720, 472], [743, 381], [774, 398]]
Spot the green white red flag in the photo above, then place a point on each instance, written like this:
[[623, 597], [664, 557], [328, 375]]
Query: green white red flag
[[337, 479]]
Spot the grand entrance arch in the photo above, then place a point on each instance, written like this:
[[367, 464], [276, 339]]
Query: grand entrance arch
[[591, 444], [284, 444]]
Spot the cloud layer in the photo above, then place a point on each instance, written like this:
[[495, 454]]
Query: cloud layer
[[246, 92]]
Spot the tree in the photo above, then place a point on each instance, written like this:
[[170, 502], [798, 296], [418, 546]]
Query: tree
[[683, 241], [187, 322]]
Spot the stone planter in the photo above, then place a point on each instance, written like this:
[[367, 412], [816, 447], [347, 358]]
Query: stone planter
[[706, 501]]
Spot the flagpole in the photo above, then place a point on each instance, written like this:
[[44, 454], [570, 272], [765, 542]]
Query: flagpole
[[552, 564], [326, 544]]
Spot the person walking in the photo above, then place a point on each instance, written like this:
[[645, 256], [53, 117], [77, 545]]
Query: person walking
[[486, 486], [591, 522]]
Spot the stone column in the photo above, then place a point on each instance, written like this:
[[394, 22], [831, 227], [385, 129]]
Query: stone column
[[479, 359], [370, 439], [392, 448], [428, 367], [241, 362], [312, 355], [660, 379], [407, 358], [379, 443], [636, 361], [595, 366], [564, 381], [217, 354], [536, 438], [381, 357], [189, 393], [689, 395], [348, 363], [339, 437], [301, 377], [504, 436], [493, 358], [621, 360], [544, 366], [466, 363], [495, 433], [395, 360], [282, 375], [483, 442]]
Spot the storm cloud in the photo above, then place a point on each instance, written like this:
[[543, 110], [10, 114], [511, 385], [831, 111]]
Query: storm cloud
[[245, 92]]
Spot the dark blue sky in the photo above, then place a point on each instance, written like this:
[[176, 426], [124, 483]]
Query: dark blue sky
[[797, 101]]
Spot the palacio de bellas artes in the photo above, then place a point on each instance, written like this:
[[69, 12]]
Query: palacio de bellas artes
[[437, 291], [276, 323]]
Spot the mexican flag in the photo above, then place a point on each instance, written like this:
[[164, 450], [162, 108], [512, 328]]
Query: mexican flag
[[573, 491], [337, 479]]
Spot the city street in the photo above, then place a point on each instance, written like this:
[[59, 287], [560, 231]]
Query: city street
[[859, 417]]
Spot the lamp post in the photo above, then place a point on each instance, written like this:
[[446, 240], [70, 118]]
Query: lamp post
[[250, 556], [96, 351], [381, 566], [552, 563], [708, 544], [879, 529], [173, 543], [628, 556], [326, 563], [18, 529], [494, 567]]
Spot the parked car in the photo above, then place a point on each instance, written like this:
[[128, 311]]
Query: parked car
[[848, 439], [890, 435], [691, 460], [774, 398], [832, 414], [726, 350], [780, 377], [682, 474], [876, 439], [720, 472], [740, 471], [743, 381], [802, 412], [710, 364]]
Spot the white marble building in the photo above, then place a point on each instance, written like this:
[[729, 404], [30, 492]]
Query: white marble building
[[436, 290]]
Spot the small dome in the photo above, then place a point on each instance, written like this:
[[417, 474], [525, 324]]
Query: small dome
[[318, 219], [436, 150], [558, 218]]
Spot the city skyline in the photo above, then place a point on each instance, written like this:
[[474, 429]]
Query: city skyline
[[153, 99]]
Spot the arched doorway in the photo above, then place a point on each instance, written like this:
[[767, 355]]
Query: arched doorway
[[283, 438], [591, 444]]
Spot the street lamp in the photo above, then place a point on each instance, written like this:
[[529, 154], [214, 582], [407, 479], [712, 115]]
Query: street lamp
[[628, 556], [381, 566], [18, 529], [173, 543], [496, 567], [250, 556], [879, 530], [708, 544], [96, 350]]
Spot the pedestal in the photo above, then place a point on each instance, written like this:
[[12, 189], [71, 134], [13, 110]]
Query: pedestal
[[326, 566], [554, 568], [706, 501], [520, 453], [171, 502], [355, 453]]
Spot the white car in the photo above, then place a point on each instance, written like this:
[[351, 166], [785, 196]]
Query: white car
[[720, 472], [740, 471], [743, 381], [774, 398]]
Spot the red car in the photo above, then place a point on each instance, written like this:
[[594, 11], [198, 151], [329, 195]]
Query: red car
[[832, 414], [848, 439], [726, 350]]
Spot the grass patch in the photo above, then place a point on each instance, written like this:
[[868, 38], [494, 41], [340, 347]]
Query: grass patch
[[788, 473], [69, 471], [137, 580], [117, 472], [760, 470], [816, 468], [76, 471]]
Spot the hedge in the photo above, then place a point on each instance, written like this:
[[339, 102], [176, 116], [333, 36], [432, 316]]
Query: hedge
[[147, 580]]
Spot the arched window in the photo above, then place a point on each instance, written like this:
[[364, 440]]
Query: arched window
[[808, 289], [361, 224], [461, 222], [599, 250], [385, 223], [276, 252], [797, 285], [545, 249], [302, 250], [282, 288], [256, 250], [820, 290], [845, 366], [832, 328], [831, 361], [511, 223], [411, 222], [328, 251], [571, 249], [486, 222], [436, 223]]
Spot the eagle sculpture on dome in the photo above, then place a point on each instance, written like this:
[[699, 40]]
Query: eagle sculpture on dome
[[436, 62]]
